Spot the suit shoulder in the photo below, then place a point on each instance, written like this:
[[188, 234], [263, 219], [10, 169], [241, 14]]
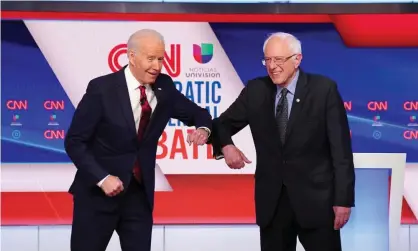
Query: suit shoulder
[[166, 82], [258, 82], [164, 79], [103, 82], [164, 76], [321, 81], [103, 79]]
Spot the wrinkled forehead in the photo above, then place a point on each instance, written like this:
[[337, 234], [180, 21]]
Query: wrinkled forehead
[[151, 46], [277, 47]]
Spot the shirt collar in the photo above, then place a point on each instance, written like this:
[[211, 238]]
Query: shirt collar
[[292, 86], [131, 81]]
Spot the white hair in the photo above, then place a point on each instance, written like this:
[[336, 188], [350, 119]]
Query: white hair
[[294, 44], [134, 39]]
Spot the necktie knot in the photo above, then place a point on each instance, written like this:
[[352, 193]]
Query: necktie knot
[[284, 91], [142, 89]]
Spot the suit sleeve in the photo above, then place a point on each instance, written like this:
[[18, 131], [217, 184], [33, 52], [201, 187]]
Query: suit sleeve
[[230, 122], [340, 145], [82, 128], [190, 113]]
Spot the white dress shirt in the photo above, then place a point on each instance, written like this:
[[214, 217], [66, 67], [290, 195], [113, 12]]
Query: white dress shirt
[[134, 98]]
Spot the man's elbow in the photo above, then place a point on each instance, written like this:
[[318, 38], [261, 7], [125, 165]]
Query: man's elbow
[[217, 126], [205, 112], [216, 121], [71, 144], [67, 142]]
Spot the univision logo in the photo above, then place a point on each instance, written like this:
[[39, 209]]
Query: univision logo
[[203, 53]]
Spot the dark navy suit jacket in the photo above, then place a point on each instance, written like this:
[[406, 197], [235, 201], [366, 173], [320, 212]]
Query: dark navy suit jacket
[[102, 138]]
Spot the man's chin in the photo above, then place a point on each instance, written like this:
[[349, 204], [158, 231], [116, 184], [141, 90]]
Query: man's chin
[[151, 80], [277, 80]]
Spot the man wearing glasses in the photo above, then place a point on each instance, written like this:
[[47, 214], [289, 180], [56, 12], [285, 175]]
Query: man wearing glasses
[[304, 180]]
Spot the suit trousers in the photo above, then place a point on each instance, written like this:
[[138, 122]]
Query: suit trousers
[[95, 218], [281, 234]]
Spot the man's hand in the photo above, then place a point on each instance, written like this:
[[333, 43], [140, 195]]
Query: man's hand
[[342, 215], [112, 186], [199, 137], [234, 158]]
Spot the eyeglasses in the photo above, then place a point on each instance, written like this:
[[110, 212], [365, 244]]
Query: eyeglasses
[[276, 60]]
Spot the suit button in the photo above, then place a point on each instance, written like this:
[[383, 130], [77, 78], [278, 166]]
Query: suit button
[[284, 162]]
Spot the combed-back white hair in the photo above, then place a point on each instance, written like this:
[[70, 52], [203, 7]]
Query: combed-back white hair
[[294, 44]]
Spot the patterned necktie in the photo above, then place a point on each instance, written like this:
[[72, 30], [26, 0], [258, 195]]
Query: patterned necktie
[[143, 122], [282, 114]]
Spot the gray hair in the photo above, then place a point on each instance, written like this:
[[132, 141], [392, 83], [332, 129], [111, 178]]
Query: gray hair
[[294, 44], [134, 39]]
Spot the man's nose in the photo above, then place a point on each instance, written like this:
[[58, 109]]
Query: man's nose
[[271, 65], [157, 65]]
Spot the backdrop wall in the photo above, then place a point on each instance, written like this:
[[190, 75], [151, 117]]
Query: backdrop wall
[[46, 66]]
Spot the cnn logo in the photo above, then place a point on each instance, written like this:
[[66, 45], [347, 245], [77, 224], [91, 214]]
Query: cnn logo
[[377, 106], [410, 106], [54, 134], [17, 104], [348, 106], [54, 105], [410, 135], [171, 62]]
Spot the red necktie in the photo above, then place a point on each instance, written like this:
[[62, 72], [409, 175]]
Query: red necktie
[[143, 122]]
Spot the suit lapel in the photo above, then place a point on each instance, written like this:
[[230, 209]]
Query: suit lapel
[[160, 95], [298, 101], [124, 100]]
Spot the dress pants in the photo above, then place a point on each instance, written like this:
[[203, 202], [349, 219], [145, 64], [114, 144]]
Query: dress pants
[[97, 216], [281, 234]]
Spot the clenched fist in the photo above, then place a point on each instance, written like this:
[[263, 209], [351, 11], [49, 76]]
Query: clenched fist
[[112, 186], [234, 158], [199, 137]]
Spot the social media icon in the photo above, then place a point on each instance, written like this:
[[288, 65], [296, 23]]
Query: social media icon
[[16, 134], [377, 134]]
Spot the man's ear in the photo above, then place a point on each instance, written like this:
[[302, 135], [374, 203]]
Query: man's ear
[[131, 57], [298, 60]]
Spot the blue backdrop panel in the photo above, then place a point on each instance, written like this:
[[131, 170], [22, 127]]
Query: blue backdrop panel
[[363, 75]]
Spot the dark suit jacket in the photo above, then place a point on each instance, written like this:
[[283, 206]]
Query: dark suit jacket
[[102, 138], [316, 161]]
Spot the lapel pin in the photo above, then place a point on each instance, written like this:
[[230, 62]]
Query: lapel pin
[[297, 100]]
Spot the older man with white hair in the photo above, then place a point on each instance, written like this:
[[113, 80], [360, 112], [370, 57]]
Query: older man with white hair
[[112, 141], [304, 179]]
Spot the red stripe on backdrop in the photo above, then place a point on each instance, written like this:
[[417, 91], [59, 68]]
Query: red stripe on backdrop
[[196, 199], [383, 30], [246, 18], [356, 30]]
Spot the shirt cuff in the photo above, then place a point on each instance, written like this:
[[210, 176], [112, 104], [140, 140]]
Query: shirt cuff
[[101, 182], [206, 129], [219, 156]]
